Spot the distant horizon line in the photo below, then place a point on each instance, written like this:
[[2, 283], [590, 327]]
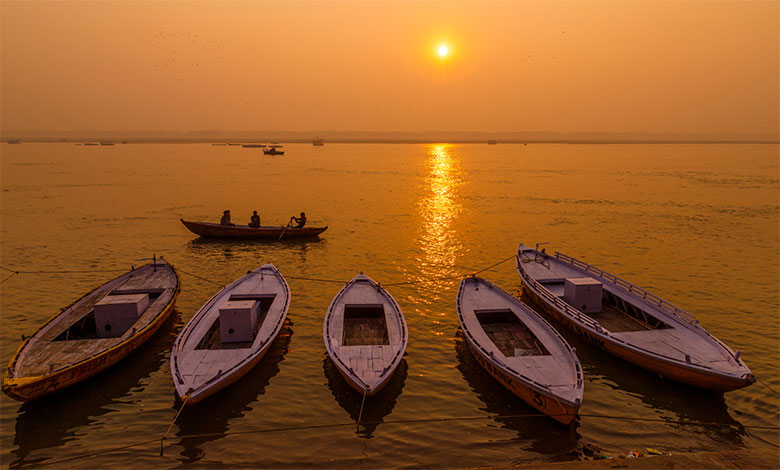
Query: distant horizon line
[[332, 136]]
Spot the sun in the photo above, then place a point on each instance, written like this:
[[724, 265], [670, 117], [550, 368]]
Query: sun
[[443, 50]]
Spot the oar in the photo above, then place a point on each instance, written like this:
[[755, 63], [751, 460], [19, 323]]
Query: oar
[[285, 229]]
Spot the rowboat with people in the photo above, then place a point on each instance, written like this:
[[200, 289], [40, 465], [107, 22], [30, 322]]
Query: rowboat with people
[[229, 334], [520, 349], [93, 333], [214, 230], [365, 334], [629, 322]]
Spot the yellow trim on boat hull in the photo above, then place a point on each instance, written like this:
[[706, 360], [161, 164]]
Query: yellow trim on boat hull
[[30, 388]]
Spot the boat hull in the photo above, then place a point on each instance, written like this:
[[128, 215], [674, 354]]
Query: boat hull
[[209, 230], [669, 369], [562, 412], [225, 381], [30, 388]]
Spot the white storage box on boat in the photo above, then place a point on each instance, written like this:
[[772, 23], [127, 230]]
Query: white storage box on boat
[[238, 321], [583, 293], [115, 314]]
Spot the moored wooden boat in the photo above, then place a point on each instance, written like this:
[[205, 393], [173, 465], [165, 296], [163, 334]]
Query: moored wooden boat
[[94, 333], [229, 334], [365, 334], [211, 230], [630, 322], [520, 349]]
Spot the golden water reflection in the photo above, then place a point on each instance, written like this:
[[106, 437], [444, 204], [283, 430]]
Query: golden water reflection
[[438, 209]]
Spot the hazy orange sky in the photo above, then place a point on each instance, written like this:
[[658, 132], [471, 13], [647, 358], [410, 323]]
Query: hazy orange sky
[[627, 66]]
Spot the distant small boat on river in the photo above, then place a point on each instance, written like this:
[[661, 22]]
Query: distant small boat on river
[[273, 149], [211, 230], [105, 142], [365, 334], [14, 141], [93, 333], [253, 146], [318, 141], [229, 334], [630, 322], [520, 349]]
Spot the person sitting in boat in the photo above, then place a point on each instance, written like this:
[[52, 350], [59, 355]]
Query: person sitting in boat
[[254, 220], [225, 220], [301, 221]]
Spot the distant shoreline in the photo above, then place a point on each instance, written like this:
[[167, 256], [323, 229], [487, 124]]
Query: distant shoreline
[[119, 141]]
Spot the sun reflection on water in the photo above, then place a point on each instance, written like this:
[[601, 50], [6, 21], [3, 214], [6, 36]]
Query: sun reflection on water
[[439, 208]]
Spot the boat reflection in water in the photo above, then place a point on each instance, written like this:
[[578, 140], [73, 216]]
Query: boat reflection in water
[[52, 420], [543, 434], [209, 419], [376, 407]]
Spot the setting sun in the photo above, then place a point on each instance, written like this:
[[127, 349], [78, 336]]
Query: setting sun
[[443, 50]]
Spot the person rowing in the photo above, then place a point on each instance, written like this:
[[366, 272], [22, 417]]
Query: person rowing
[[300, 221]]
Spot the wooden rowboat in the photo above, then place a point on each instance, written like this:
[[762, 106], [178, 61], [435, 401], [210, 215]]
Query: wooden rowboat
[[209, 230], [520, 349], [365, 334], [93, 333], [630, 322], [230, 333]]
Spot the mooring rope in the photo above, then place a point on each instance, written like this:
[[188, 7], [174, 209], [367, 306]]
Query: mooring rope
[[165, 436], [9, 277], [198, 277], [767, 386], [399, 421], [360, 415]]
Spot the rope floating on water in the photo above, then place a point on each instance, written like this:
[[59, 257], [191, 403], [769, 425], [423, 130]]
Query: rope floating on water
[[391, 422]]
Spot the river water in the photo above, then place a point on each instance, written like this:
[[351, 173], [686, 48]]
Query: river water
[[696, 224]]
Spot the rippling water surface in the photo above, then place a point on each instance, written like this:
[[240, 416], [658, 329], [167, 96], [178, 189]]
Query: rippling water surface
[[696, 224]]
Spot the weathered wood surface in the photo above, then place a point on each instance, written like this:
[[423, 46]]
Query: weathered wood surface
[[210, 230], [201, 371], [657, 336], [43, 365], [530, 358], [366, 367]]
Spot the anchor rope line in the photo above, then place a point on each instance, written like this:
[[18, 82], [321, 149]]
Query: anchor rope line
[[757, 380], [399, 421], [183, 404], [199, 277], [360, 415], [9, 277], [301, 278], [72, 271]]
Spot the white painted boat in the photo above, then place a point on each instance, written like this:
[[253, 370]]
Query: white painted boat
[[630, 322], [520, 349], [93, 333], [230, 333], [365, 334]]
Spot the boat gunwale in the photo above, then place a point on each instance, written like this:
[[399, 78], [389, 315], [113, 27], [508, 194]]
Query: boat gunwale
[[268, 232], [8, 380], [594, 328], [393, 363], [579, 383], [204, 310]]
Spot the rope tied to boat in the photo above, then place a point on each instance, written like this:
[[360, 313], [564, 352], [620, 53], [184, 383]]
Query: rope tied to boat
[[767, 386], [165, 436], [360, 415], [201, 278]]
